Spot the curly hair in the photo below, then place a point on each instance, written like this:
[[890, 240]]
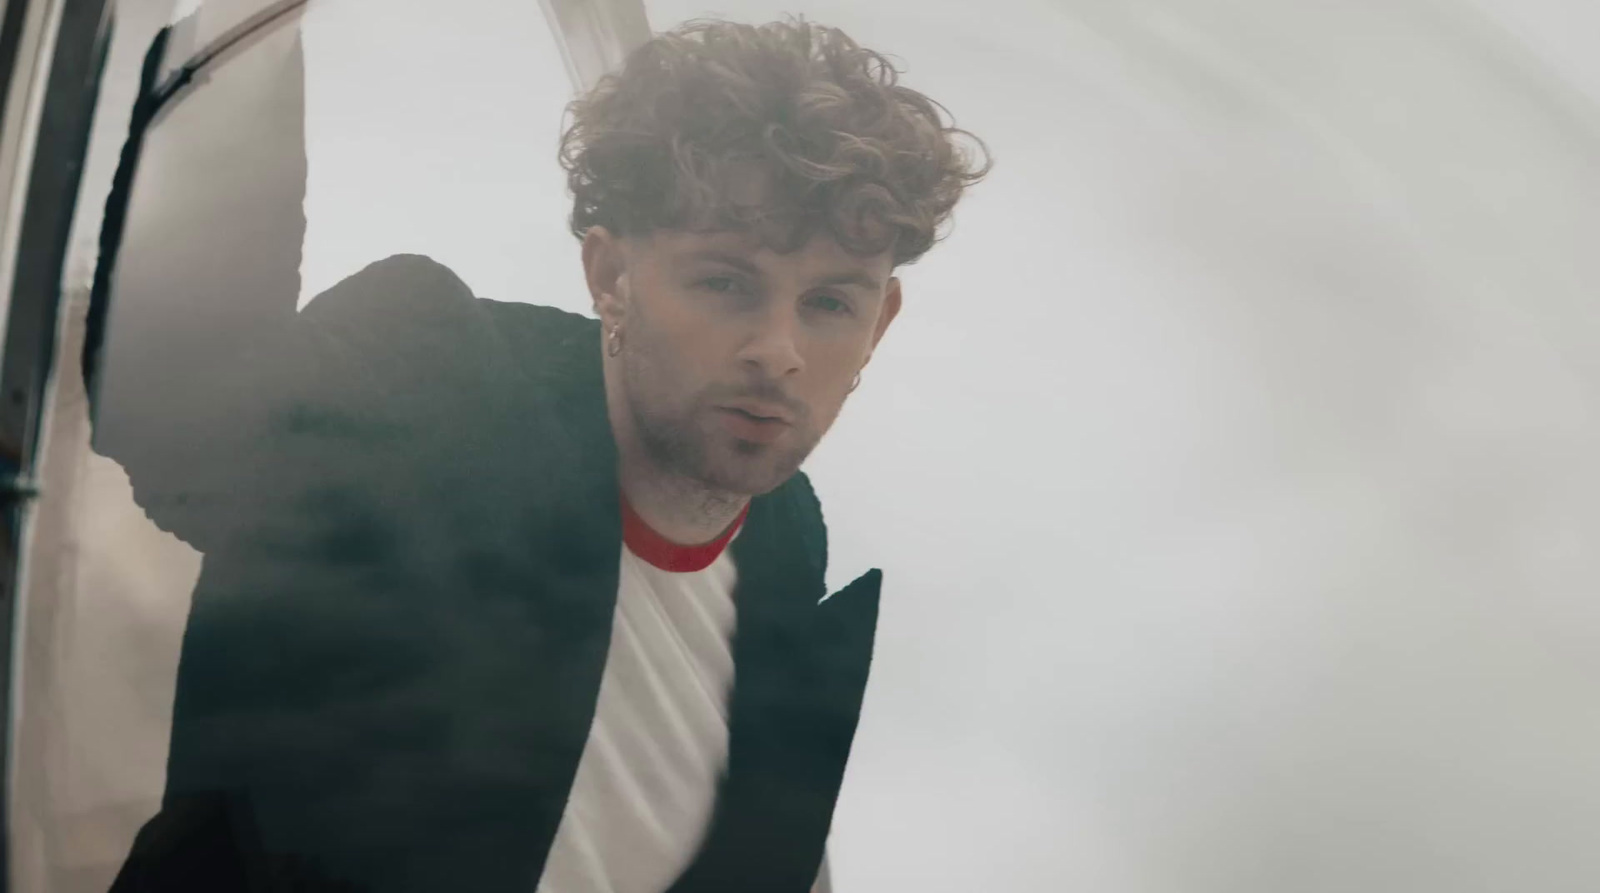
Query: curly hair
[[836, 142]]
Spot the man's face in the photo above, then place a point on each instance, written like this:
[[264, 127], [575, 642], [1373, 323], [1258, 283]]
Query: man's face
[[735, 359]]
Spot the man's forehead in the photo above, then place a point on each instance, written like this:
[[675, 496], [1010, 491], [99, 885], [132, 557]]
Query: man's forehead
[[821, 251]]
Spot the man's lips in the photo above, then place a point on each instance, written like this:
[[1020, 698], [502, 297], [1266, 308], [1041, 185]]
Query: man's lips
[[748, 426], [759, 412]]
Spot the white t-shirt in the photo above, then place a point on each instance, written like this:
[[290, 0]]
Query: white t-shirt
[[646, 783]]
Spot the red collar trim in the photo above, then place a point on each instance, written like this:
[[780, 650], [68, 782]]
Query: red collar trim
[[668, 555]]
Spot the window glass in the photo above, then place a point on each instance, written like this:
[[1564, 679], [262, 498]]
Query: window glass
[[1228, 468]]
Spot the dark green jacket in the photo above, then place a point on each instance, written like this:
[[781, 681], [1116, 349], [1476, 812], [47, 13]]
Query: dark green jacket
[[408, 506]]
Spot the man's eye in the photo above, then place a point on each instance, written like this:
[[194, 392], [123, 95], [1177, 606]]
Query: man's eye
[[830, 304], [721, 284]]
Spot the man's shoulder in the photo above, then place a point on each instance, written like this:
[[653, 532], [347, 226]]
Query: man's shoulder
[[402, 286], [412, 304], [415, 288]]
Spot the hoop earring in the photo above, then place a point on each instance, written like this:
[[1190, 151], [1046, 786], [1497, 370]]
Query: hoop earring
[[614, 341], [855, 384]]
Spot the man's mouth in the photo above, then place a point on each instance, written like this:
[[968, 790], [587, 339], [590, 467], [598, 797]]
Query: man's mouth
[[759, 411], [747, 425]]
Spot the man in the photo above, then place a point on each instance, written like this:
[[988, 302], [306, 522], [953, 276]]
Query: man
[[497, 597]]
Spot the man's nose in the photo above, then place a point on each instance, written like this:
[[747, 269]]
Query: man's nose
[[774, 345]]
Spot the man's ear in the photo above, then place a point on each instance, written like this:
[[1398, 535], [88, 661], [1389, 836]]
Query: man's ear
[[886, 312], [603, 267]]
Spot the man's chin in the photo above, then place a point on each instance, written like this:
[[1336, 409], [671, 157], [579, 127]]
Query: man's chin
[[749, 475], [746, 484]]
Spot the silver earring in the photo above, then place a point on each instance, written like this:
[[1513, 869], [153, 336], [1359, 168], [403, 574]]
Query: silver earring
[[614, 341], [855, 384]]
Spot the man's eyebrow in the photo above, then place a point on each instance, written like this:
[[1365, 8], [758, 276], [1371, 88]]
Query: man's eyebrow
[[852, 277], [723, 257]]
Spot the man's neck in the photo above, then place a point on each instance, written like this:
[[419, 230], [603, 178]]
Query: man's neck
[[680, 510]]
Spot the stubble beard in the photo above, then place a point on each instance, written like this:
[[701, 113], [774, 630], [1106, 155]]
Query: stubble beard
[[687, 441]]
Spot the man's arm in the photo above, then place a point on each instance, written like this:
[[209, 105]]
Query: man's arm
[[299, 469]]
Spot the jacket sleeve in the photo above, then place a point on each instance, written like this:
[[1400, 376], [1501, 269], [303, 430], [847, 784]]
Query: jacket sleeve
[[287, 487], [324, 380]]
